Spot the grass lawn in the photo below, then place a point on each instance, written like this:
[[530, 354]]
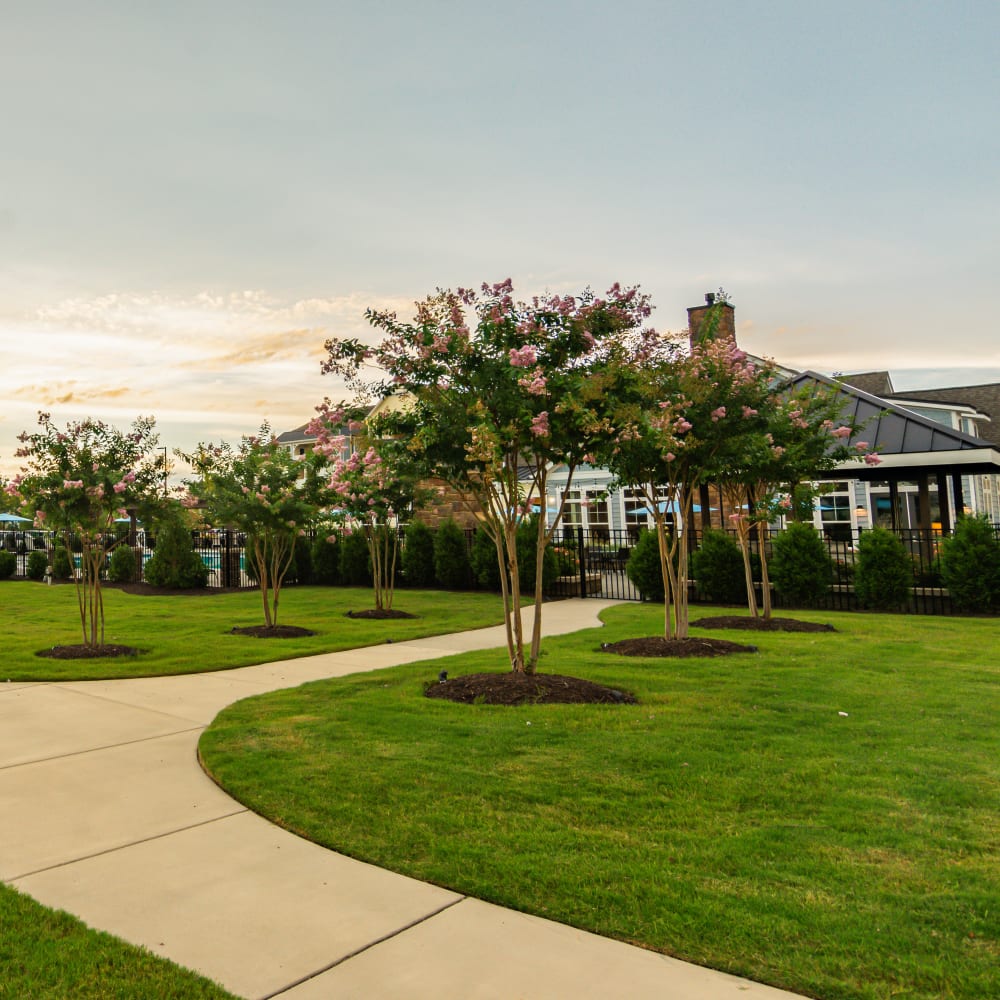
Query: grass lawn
[[189, 634], [49, 955], [823, 815]]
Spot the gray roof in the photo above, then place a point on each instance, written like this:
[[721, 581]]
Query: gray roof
[[985, 398], [910, 442]]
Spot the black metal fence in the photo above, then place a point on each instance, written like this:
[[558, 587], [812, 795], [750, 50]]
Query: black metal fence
[[602, 556], [593, 562]]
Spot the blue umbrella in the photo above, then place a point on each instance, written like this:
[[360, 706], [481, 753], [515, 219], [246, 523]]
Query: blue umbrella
[[14, 519]]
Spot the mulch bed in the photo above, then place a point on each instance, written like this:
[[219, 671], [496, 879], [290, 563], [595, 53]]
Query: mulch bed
[[763, 624], [81, 652], [526, 689], [272, 631], [380, 613], [656, 645], [148, 590]]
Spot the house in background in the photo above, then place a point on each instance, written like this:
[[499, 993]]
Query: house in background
[[940, 451]]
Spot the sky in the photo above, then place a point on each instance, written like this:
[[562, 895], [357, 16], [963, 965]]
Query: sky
[[195, 196]]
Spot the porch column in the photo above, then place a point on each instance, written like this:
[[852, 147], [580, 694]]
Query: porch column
[[942, 491], [894, 504], [956, 492]]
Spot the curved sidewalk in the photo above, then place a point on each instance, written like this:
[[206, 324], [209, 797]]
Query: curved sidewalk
[[104, 812]]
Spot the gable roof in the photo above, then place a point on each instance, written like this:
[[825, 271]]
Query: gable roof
[[904, 440]]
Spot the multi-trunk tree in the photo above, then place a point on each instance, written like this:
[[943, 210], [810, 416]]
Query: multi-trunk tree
[[78, 481], [373, 485], [261, 490], [496, 392]]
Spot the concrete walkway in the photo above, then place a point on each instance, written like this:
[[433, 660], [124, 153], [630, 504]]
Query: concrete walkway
[[104, 812]]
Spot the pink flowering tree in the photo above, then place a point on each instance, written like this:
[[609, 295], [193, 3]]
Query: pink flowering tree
[[802, 436], [686, 419], [498, 391], [78, 480], [260, 490], [373, 483]]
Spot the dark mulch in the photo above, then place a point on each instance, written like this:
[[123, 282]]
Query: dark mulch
[[656, 645], [272, 631], [762, 624], [379, 613], [526, 689], [81, 652], [148, 590]]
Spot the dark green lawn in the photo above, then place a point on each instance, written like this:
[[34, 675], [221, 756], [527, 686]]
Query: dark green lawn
[[823, 815]]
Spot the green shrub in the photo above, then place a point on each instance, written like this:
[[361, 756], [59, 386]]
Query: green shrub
[[717, 566], [174, 563], [38, 563], [483, 559], [451, 557], [801, 568], [355, 564], [643, 567], [326, 558], [301, 570], [8, 564], [62, 565], [121, 568], [884, 573], [527, 547], [970, 565], [418, 555]]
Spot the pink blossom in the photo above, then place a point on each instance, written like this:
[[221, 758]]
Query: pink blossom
[[861, 446], [718, 414], [681, 425], [872, 459], [540, 424], [670, 456], [841, 432], [749, 411], [121, 487], [72, 484], [523, 358]]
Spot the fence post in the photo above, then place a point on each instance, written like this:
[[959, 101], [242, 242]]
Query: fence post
[[582, 559]]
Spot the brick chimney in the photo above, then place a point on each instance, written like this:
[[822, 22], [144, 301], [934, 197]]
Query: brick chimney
[[726, 327]]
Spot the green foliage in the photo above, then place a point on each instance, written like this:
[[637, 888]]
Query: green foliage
[[62, 564], [121, 568], [326, 558], [800, 567], [485, 566], [643, 567], [8, 564], [451, 557], [884, 573], [261, 490], [38, 562], [301, 571], [970, 565], [78, 480], [717, 566], [174, 563], [527, 548], [418, 555], [355, 563]]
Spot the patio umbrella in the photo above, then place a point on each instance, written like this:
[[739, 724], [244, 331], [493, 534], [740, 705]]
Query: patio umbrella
[[14, 519]]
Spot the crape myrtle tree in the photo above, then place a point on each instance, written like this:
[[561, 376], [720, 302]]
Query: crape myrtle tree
[[498, 391], [685, 420], [373, 488], [799, 436], [259, 489], [78, 481]]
